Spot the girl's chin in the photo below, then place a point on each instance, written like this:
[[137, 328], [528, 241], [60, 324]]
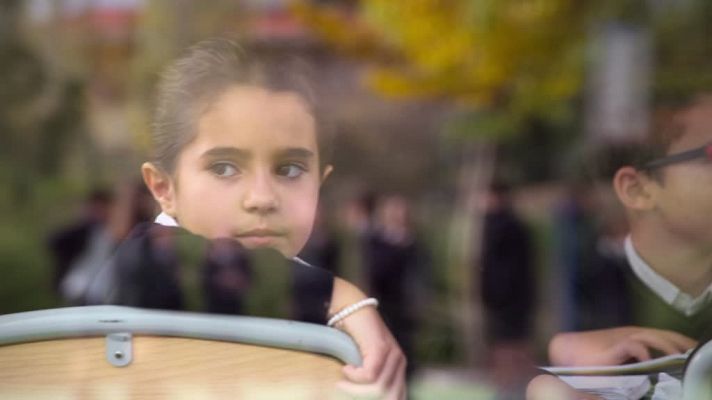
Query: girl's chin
[[264, 242]]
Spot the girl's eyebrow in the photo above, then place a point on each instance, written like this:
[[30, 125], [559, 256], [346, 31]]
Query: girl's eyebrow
[[296, 152], [230, 152], [234, 152]]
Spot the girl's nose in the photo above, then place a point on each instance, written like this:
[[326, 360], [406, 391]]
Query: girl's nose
[[260, 196]]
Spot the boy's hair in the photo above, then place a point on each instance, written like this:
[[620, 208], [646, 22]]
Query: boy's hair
[[199, 77], [666, 129]]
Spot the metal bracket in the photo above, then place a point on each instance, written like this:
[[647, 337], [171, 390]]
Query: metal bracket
[[119, 349]]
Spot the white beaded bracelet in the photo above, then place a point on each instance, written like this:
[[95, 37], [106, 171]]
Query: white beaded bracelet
[[346, 311]]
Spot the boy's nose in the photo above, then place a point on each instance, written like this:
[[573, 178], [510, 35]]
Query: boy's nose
[[260, 196]]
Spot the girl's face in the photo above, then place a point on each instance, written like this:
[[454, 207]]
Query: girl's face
[[251, 173]]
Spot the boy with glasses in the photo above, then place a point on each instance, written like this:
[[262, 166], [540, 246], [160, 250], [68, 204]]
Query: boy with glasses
[[665, 186]]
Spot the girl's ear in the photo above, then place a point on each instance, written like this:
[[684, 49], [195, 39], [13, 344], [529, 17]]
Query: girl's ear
[[327, 171], [161, 186], [633, 189]]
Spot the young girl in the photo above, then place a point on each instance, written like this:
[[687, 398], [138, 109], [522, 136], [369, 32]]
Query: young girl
[[238, 160]]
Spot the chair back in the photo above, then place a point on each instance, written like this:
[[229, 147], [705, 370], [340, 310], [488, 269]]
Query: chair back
[[108, 352]]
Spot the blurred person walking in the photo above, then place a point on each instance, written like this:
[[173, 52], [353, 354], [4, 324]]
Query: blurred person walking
[[508, 290], [589, 247], [68, 244], [395, 267]]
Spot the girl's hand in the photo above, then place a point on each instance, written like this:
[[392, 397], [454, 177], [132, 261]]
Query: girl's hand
[[382, 373], [615, 346]]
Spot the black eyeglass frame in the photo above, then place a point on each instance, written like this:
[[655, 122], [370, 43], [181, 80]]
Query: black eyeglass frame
[[700, 152]]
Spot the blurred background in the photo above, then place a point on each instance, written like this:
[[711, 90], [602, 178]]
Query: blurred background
[[460, 196]]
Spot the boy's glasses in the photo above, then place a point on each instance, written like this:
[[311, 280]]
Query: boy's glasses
[[700, 152]]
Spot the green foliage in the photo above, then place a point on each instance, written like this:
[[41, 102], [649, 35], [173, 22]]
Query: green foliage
[[41, 112], [25, 285], [438, 341], [488, 125], [24, 260], [507, 61], [682, 50], [511, 61]]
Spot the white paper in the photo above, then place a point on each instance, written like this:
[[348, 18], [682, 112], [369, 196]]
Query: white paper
[[673, 362], [668, 388], [630, 387]]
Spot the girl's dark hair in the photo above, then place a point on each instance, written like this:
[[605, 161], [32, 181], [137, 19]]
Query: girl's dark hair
[[192, 83]]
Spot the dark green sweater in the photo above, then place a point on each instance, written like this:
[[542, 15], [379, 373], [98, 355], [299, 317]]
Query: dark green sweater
[[649, 310]]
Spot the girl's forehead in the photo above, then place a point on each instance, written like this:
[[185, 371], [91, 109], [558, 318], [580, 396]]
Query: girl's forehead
[[252, 114], [249, 96]]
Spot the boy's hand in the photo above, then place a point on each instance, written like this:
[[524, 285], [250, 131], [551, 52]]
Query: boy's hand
[[615, 346]]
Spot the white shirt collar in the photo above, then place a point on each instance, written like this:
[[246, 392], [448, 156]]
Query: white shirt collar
[[166, 220], [667, 291]]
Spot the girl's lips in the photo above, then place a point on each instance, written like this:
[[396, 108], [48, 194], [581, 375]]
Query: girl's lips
[[257, 240], [258, 233], [258, 237]]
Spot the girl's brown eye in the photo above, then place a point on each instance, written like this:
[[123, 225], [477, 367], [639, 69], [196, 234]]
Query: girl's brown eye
[[224, 170], [290, 171]]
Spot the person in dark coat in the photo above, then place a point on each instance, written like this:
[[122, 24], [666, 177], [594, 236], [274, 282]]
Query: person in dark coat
[[508, 289], [68, 243], [507, 277], [395, 264]]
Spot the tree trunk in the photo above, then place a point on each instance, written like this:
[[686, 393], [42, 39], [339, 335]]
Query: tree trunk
[[465, 237]]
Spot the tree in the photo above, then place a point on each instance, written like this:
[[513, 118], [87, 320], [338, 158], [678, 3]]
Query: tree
[[682, 48], [502, 63], [508, 60], [23, 83]]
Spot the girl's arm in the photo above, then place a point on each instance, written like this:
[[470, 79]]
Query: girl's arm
[[382, 374]]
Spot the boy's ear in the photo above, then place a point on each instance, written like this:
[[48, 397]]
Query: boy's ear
[[327, 171], [161, 186], [633, 189]]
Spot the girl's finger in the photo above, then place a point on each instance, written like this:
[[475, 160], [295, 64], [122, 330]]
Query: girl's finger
[[374, 359]]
